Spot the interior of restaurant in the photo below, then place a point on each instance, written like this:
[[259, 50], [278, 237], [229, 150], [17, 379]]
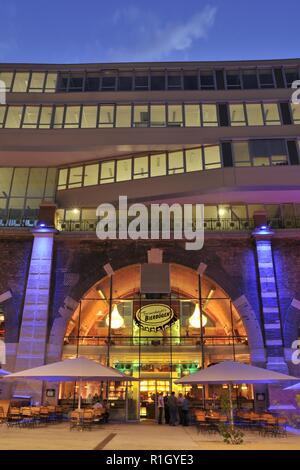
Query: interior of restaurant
[[156, 338]]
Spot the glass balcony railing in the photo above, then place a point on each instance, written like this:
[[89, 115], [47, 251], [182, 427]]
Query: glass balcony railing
[[155, 341]]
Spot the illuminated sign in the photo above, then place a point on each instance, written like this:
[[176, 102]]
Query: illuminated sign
[[155, 317]]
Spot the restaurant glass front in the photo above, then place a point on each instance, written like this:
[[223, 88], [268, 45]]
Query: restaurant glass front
[[155, 338]]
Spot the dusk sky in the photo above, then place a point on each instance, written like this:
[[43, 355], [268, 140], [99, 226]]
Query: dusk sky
[[65, 31]]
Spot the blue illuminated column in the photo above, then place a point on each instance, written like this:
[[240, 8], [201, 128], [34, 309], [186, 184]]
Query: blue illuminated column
[[269, 300], [33, 334]]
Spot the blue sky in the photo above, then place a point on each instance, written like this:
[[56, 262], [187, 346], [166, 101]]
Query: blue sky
[[158, 30]]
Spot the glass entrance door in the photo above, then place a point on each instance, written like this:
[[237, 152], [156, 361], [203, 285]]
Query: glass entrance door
[[149, 391]]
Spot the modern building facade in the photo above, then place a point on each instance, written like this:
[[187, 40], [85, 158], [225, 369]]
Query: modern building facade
[[224, 134]]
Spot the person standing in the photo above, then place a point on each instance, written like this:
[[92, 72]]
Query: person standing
[[173, 409], [167, 411], [180, 401], [161, 406], [186, 410]]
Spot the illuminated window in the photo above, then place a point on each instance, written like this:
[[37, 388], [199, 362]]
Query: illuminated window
[[19, 184], [212, 158], [237, 115], [254, 115], [51, 79], [124, 170], [91, 175], [209, 115], [13, 117], [89, 117], [5, 180], [175, 163], [123, 116], [193, 160], [21, 82], [140, 168], [62, 178], [36, 183], [72, 214], [241, 154], [271, 114], [107, 174], [175, 115], [296, 113], [106, 116], [45, 117], [31, 116], [72, 117], [37, 82], [2, 115], [50, 183], [158, 165], [7, 78], [75, 177], [192, 115], [157, 115], [141, 116], [58, 117]]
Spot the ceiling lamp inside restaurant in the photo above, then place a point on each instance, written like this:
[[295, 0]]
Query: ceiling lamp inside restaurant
[[116, 320], [194, 320]]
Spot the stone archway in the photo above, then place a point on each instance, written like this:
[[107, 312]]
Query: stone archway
[[184, 279]]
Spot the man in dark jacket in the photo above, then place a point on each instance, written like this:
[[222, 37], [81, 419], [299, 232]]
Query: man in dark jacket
[[167, 412], [173, 409]]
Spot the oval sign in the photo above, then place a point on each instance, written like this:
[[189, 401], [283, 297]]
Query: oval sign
[[155, 317]]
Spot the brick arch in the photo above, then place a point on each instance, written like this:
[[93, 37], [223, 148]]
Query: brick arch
[[216, 274]]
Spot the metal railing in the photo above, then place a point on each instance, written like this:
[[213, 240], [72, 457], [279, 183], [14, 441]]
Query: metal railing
[[154, 341], [210, 225]]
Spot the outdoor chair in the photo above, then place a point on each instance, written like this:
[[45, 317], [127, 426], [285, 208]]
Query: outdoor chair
[[14, 417], [27, 417], [2, 416], [87, 419], [75, 420], [44, 414]]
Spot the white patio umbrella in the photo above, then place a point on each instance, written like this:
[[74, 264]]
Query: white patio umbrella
[[293, 387], [232, 372], [71, 370]]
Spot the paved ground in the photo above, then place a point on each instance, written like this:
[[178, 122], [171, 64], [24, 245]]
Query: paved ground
[[131, 437]]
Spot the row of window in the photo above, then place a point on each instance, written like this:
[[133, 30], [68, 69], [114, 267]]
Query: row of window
[[113, 80], [244, 153], [26, 187], [212, 211], [146, 115]]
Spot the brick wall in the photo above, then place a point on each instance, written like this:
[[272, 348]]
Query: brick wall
[[14, 263]]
